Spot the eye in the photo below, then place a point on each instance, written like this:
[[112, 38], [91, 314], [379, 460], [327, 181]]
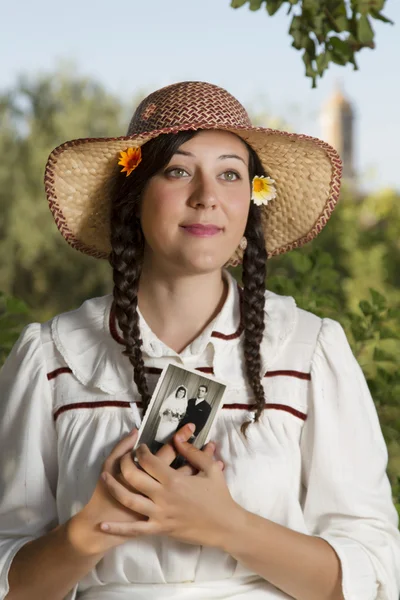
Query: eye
[[176, 172], [230, 176]]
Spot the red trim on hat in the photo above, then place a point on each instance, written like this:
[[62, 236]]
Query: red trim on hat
[[124, 404], [59, 371], [284, 373]]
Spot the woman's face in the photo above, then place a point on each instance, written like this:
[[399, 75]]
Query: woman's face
[[181, 393], [194, 211]]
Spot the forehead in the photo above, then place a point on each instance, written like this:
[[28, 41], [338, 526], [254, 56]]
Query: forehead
[[216, 143]]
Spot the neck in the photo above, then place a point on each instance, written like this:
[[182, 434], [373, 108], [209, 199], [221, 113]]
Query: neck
[[178, 307]]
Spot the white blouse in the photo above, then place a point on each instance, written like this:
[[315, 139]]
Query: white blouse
[[314, 463]]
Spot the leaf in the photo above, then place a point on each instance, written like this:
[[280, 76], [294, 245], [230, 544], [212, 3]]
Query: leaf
[[340, 47], [378, 299], [366, 308], [238, 3], [365, 33], [255, 4], [342, 23], [273, 6], [380, 17], [383, 356], [322, 61]]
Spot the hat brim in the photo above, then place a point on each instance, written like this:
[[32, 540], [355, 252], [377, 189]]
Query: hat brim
[[306, 170]]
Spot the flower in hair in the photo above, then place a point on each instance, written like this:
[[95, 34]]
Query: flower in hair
[[130, 159], [263, 190]]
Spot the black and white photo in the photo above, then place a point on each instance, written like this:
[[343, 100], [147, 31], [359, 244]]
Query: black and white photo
[[181, 396]]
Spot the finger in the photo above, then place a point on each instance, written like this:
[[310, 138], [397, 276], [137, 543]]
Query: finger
[[134, 502], [168, 453], [198, 459], [130, 529], [209, 449], [137, 479], [153, 465], [122, 447]]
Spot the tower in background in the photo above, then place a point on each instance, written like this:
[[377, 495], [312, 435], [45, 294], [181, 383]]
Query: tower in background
[[337, 121]]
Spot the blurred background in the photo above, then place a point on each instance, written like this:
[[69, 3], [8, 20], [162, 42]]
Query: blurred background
[[78, 69]]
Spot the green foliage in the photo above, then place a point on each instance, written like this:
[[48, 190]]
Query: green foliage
[[14, 315], [35, 116], [326, 31]]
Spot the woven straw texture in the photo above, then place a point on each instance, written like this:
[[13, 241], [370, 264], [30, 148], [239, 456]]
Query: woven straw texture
[[306, 170]]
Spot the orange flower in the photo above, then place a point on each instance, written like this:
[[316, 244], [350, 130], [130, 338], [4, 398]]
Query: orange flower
[[130, 159]]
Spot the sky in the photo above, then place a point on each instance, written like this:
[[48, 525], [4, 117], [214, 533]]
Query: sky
[[138, 46]]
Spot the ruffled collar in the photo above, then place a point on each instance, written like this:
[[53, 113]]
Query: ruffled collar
[[90, 343]]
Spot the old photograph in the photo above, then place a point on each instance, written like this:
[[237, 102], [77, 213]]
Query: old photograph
[[182, 396]]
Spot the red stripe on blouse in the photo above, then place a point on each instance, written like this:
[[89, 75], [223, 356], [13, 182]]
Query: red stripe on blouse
[[57, 372], [124, 404], [283, 373]]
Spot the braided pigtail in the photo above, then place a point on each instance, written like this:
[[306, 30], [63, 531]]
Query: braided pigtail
[[254, 273], [253, 299], [126, 260]]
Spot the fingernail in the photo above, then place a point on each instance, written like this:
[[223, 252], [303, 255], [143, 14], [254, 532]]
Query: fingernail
[[134, 430], [104, 477], [105, 527], [192, 427], [211, 445]]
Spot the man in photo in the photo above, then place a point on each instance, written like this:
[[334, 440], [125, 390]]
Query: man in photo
[[197, 411]]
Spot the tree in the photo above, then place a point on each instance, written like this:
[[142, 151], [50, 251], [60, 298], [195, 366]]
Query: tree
[[326, 30], [37, 265]]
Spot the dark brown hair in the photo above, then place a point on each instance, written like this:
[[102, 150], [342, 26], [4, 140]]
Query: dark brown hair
[[126, 259]]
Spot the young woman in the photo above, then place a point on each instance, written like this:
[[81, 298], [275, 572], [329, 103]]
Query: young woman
[[292, 499]]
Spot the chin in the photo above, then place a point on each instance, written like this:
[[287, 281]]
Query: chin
[[204, 263]]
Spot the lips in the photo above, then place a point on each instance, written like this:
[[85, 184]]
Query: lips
[[201, 230]]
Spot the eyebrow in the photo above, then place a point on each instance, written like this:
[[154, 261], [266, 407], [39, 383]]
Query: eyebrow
[[222, 157]]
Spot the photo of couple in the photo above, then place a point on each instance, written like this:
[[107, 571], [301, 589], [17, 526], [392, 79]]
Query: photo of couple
[[181, 396], [177, 410]]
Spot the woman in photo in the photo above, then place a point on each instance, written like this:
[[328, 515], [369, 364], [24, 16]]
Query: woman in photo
[[291, 500], [172, 410]]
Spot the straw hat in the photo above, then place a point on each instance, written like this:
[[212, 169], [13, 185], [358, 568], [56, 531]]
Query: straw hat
[[306, 170]]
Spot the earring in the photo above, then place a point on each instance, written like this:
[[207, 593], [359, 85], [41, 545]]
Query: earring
[[243, 244]]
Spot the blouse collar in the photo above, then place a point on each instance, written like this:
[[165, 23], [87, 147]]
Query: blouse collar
[[90, 342], [227, 325]]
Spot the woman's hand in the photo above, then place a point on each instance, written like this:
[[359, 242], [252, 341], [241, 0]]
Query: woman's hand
[[84, 530], [195, 510]]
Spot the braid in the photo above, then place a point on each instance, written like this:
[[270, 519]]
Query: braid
[[126, 259], [127, 243], [253, 277]]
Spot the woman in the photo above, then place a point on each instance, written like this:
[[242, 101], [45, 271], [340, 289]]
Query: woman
[[302, 507], [171, 412]]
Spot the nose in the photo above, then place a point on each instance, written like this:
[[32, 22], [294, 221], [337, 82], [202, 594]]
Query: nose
[[204, 193]]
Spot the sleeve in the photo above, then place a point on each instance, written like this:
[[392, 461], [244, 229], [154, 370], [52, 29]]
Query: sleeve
[[28, 450], [347, 497]]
